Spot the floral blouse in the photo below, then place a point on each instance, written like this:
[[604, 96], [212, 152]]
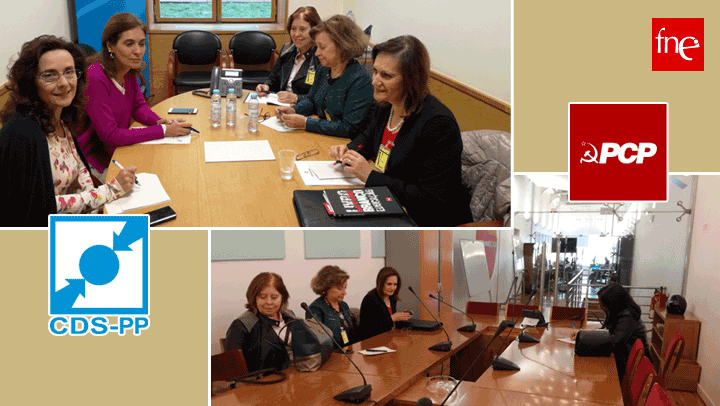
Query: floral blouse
[[74, 191]]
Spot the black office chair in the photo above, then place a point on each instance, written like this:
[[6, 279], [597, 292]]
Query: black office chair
[[86, 49], [194, 48], [254, 53]]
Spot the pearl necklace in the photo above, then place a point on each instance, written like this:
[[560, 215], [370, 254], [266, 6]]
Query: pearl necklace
[[394, 129]]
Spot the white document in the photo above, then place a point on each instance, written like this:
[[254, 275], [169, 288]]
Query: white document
[[148, 193], [233, 151], [567, 340], [272, 98], [324, 170], [277, 124], [527, 321], [308, 176], [593, 325], [183, 139], [376, 351]]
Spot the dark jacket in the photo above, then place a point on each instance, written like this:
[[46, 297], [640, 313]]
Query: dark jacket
[[374, 316], [625, 328], [342, 106], [26, 175], [254, 336], [325, 314], [423, 170], [280, 73]]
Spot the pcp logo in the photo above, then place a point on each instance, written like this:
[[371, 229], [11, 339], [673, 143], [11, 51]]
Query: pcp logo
[[636, 154], [617, 151], [98, 268], [677, 44]]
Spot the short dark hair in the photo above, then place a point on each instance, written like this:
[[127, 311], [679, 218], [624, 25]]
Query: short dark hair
[[308, 14], [115, 27], [329, 276], [382, 277], [262, 281], [347, 36], [22, 84], [414, 64]]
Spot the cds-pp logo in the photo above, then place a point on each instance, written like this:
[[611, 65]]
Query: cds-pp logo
[[677, 44], [617, 151], [98, 269]]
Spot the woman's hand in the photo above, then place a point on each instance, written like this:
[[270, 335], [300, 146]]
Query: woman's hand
[[401, 316], [573, 335], [167, 121], [262, 89], [287, 97], [293, 120], [356, 164], [177, 128], [284, 110], [126, 178], [337, 151]]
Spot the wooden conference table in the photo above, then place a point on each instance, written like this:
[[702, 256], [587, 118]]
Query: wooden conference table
[[223, 194], [558, 376]]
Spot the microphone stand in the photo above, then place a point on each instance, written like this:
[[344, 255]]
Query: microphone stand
[[445, 345], [470, 328], [500, 363], [357, 394]]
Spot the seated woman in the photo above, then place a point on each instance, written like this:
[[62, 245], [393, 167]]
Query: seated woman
[[42, 170], [341, 93], [255, 332], [378, 312], [331, 284], [294, 72], [413, 138], [623, 322], [114, 98]]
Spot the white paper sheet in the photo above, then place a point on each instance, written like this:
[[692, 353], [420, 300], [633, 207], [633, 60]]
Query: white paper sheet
[[325, 170], [277, 125], [150, 192], [233, 151], [183, 139], [311, 180], [527, 321], [380, 350], [567, 340], [270, 97]]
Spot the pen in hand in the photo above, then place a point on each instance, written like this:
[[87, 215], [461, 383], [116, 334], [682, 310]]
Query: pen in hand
[[191, 129], [121, 168], [356, 149]]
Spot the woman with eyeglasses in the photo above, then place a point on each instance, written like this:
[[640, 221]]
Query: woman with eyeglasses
[[42, 170], [114, 98]]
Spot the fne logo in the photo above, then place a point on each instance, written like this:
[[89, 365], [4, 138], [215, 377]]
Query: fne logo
[[678, 44], [618, 152]]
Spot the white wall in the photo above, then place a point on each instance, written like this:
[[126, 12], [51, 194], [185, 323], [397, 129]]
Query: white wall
[[660, 245], [230, 279], [468, 41], [703, 283], [326, 8], [21, 23]]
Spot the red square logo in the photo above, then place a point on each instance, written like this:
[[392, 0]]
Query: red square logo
[[618, 152], [678, 44]]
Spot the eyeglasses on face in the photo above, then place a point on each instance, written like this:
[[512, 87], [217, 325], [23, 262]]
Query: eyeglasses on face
[[52, 76]]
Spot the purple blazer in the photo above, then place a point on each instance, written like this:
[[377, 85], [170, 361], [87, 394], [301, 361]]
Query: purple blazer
[[111, 113]]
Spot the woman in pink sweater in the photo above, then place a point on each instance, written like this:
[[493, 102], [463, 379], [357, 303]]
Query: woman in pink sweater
[[114, 98]]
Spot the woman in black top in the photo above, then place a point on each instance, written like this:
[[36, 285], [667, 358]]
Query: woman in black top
[[378, 312], [298, 58], [255, 332]]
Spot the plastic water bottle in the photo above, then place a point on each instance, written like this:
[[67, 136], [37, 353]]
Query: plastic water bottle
[[215, 108], [253, 113], [230, 108], [351, 15]]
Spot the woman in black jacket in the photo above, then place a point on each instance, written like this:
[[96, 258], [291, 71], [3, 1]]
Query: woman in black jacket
[[293, 74], [378, 312], [413, 138], [255, 332]]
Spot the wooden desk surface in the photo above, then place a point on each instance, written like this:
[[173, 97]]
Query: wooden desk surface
[[223, 194], [551, 369]]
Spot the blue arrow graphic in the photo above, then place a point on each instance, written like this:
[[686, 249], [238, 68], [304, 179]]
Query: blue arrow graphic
[[131, 232], [64, 298]]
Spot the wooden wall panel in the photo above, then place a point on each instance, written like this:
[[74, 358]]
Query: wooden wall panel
[[429, 270]]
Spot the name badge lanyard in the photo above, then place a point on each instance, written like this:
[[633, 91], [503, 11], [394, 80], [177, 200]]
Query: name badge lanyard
[[343, 326], [383, 156]]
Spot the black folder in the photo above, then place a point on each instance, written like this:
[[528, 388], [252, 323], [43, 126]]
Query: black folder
[[310, 211]]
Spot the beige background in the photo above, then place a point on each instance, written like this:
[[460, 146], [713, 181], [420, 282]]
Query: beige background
[[576, 51], [166, 365]]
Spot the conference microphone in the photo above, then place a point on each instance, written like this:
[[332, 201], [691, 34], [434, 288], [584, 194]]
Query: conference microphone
[[357, 394], [445, 345], [424, 402], [470, 328], [500, 362]]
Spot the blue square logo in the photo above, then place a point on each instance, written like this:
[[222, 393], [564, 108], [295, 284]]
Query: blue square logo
[[99, 265]]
